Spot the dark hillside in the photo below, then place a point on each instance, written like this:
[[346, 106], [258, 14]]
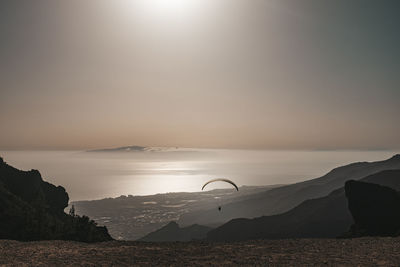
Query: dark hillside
[[322, 217], [172, 232], [284, 198], [32, 209]]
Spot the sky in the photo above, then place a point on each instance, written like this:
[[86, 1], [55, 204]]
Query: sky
[[251, 74]]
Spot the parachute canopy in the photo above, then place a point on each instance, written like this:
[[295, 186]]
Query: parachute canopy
[[221, 180]]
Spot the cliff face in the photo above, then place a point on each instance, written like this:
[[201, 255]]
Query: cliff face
[[30, 187], [32, 209], [375, 209]]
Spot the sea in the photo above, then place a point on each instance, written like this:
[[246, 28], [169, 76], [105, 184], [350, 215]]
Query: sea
[[96, 175]]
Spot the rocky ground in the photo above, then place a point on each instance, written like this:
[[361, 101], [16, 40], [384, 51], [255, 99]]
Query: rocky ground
[[332, 252]]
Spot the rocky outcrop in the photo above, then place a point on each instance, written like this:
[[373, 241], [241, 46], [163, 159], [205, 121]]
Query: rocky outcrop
[[374, 208], [32, 209]]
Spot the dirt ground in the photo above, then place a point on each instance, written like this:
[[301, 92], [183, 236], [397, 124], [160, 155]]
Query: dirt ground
[[291, 252]]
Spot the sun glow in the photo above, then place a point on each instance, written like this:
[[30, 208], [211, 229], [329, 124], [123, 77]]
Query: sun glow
[[167, 10], [168, 7]]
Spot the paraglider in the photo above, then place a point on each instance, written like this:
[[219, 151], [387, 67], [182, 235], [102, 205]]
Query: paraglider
[[220, 180]]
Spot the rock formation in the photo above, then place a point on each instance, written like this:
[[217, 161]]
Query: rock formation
[[374, 208], [32, 209]]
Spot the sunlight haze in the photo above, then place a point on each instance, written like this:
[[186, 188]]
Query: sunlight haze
[[220, 74]]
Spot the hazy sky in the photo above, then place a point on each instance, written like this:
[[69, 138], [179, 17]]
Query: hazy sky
[[299, 74]]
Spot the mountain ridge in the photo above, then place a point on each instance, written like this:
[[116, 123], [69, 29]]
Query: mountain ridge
[[284, 198], [325, 217], [172, 232]]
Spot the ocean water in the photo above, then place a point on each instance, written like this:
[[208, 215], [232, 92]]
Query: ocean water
[[95, 175]]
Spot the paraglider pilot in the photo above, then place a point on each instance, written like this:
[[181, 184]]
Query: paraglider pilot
[[221, 180]]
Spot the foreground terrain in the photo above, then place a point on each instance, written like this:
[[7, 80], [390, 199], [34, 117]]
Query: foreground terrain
[[350, 252]]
